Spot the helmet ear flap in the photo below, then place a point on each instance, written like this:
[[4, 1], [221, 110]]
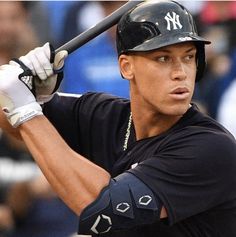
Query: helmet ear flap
[[201, 61]]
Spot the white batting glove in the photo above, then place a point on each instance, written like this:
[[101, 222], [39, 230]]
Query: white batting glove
[[46, 69], [16, 100]]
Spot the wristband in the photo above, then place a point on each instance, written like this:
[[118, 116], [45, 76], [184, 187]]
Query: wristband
[[23, 113]]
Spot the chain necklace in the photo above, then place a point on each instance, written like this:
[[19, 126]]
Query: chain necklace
[[127, 134]]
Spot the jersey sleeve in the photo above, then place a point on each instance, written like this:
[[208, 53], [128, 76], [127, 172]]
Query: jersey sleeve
[[93, 124], [191, 172]]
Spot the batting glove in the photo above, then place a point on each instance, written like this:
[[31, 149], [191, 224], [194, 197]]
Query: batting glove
[[45, 68], [16, 100]]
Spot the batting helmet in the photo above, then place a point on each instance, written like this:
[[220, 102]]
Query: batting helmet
[[155, 24]]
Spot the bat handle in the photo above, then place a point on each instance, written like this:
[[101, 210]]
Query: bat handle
[[99, 28]]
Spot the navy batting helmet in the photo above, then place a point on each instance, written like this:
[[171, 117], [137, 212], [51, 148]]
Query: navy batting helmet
[[155, 24]]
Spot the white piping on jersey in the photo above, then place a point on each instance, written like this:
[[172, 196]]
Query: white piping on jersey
[[68, 94]]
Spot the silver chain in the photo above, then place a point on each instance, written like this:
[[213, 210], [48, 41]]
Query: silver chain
[[127, 135]]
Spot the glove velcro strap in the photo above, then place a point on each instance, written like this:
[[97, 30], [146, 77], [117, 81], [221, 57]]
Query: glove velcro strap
[[26, 77], [24, 113]]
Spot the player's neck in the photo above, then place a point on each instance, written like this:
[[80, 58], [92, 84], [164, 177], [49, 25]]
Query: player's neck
[[149, 124], [149, 127]]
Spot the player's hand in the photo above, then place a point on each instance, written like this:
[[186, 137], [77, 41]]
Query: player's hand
[[16, 99], [46, 68]]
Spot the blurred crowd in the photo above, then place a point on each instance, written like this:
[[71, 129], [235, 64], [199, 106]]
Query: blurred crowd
[[28, 206]]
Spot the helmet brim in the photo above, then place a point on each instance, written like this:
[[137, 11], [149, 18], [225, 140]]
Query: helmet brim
[[160, 42]]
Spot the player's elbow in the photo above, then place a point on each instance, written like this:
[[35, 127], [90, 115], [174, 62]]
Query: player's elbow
[[125, 203]]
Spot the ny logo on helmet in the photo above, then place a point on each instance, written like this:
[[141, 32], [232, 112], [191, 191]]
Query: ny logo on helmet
[[174, 19]]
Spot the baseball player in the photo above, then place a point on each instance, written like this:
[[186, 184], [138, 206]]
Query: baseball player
[[151, 166]]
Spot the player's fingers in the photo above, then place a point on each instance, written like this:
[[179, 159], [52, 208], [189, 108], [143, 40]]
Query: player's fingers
[[44, 65], [38, 61]]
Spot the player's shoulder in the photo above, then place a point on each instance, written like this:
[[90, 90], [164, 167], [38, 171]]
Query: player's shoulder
[[89, 105], [199, 123], [200, 134], [209, 140]]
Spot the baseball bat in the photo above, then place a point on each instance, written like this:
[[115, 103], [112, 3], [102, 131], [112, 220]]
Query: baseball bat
[[97, 29]]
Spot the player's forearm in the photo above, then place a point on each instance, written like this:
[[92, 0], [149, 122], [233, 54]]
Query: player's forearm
[[75, 179]]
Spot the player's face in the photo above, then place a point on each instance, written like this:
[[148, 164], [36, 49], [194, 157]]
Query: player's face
[[163, 80]]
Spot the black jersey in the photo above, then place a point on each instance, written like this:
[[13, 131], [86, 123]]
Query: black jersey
[[191, 167]]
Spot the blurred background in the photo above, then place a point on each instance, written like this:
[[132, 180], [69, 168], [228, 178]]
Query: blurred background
[[28, 206]]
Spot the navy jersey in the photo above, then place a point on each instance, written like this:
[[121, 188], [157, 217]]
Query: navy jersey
[[191, 167]]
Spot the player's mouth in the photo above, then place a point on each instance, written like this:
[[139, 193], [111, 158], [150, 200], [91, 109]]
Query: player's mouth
[[180, 93]]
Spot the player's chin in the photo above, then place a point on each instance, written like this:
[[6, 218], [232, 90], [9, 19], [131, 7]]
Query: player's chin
[[178, 109]]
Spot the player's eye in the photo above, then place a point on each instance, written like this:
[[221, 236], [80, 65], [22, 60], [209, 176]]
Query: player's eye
[[190, 56], [163, 59]]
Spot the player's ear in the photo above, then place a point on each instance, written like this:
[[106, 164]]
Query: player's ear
[[126, 66]]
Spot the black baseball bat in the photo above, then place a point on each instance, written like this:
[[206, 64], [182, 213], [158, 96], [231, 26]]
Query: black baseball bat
[[99, 28]]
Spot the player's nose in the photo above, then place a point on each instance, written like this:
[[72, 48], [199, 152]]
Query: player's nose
[[178, 70]]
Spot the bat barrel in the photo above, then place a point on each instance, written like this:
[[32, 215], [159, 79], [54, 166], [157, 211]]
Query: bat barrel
[[99, 28]]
